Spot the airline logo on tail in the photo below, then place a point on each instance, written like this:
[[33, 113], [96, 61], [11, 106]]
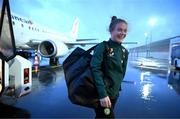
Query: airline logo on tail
[[75, 28]]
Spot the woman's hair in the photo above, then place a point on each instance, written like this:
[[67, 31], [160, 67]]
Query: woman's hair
[[114, 22]]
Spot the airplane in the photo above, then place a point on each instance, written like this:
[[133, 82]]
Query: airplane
[[49, 43]]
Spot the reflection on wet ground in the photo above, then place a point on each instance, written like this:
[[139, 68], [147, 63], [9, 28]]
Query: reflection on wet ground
[[174, 81], [46, 77], [150, 97], [146, 85], [145, 94]]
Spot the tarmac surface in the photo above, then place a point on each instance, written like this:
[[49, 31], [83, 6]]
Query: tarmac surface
[[145, 94]]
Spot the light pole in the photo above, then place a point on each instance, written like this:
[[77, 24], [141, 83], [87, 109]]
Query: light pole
[[152, 22], [146, 42]]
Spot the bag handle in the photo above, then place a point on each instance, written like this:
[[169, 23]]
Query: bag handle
[[89, 50], [92, 48]]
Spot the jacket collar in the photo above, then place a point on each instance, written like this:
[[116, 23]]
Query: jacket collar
[[114, 43]]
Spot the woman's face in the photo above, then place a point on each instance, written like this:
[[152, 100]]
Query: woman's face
[[119, 32]]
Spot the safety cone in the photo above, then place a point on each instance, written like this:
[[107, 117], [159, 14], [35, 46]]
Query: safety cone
[[36, 63]]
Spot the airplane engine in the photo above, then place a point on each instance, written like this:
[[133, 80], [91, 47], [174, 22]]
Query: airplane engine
[[49, 49]]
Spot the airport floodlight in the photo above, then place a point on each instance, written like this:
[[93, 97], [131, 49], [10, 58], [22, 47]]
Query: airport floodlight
[[152, 21]]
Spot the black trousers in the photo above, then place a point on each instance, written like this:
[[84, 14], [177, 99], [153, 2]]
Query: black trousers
[[100, 110]]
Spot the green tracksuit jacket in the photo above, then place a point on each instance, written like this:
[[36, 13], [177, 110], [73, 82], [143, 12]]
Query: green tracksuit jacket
[[108, 65]]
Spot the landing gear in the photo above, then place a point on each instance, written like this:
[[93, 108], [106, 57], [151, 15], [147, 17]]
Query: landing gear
[[54, 61]]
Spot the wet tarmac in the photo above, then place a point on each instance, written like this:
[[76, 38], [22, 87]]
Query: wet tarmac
[[145, 94]]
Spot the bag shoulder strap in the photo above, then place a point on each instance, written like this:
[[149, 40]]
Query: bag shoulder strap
[[106, 47], [92, 48]]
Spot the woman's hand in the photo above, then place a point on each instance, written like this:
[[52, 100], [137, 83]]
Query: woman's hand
[[105, 102]]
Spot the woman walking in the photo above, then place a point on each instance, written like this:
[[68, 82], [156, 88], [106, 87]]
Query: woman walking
[[108, 66]]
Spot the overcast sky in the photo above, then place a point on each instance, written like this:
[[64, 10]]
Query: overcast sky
[[95, 16]]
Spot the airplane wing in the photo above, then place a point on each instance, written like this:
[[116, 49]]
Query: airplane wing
[[86, 39], [33, 43], [92, 43], [81, 43]]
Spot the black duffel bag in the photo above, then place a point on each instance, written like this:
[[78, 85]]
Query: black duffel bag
[[79, 79]]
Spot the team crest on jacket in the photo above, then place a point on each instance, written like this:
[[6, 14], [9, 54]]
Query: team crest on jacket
[[110, 51]]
